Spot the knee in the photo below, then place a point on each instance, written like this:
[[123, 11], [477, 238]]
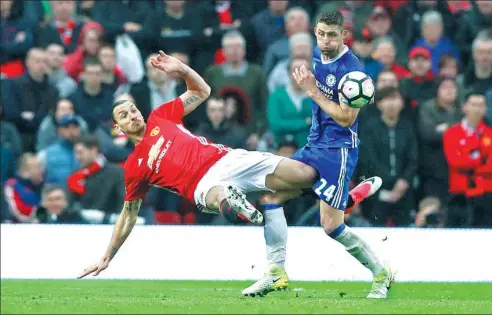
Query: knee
[[332, 225], [308, 173]]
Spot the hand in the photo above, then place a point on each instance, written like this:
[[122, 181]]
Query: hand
[[166, 63], [401, 185], [96, 269], [305, 79], [20, 37], [132, 27], [27, 115]]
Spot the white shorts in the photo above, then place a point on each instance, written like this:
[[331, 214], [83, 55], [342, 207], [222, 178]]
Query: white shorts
[[246, 170]]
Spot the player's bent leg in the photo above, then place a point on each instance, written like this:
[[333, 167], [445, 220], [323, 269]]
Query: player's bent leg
[[232, 204], [334, 226]]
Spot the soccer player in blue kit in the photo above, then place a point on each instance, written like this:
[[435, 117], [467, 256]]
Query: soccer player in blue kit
[[332, 150]]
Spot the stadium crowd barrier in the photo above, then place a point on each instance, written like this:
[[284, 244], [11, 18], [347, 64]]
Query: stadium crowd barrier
[[238, 253]]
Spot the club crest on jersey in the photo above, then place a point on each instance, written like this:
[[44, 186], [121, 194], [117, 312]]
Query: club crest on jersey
[[155, 131], [331, 80]]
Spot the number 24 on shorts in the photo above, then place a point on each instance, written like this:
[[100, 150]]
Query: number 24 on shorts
[[326, 191]]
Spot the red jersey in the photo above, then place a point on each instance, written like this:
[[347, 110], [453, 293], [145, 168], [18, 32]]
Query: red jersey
[[169, 156]]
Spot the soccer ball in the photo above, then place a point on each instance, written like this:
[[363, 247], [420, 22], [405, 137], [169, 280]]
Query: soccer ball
[[356, 89]]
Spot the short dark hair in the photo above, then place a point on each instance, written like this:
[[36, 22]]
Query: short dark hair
[[472, 92], [331, 18], [386, 92], [89, 142], [116, 104]]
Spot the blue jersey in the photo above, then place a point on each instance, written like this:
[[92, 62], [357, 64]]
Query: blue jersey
[[326, 132]]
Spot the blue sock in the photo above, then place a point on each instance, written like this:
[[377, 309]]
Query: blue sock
[[271, 206]]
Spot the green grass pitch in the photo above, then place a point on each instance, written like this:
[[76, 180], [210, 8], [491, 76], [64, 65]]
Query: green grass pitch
[[222, 297]]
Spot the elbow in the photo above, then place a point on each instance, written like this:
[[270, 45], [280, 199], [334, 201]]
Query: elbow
[[206, 91]]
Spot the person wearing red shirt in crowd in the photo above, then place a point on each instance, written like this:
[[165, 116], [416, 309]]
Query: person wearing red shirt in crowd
[[468, 150], [212, 176]]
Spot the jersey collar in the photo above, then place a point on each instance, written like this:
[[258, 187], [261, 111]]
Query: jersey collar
[[325, 62]]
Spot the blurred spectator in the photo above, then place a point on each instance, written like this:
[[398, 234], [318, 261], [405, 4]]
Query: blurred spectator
[[385, 52], [359, 10], [236, 105], [289, 109], [84, 185], [113, 77], [16, 39], [56, 74], [300, 46], [218, 129], [54, 207], [407, 19], [22, 192], [59, 158], [268, 25], [132, 17], [434, 39], [85, 9], [356, 219], [155, 90], [215, 18], [379, 25], [10, 136], [478, 76], [448, 67], [363, 48], [236, 71], [29, 98], [430, 214], [390, 150], [63, 29], [470, 24], [175, 25], [386, 78], [468, 149], [419, 86], [88, 46], [93, 100], [434, 118], [296, 21], [47, 132]]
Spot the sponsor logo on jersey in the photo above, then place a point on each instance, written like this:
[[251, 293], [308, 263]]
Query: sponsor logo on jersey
[[163, 152], [154, 152], [326, 90], [155, 131], [331, 80], [486, 141]]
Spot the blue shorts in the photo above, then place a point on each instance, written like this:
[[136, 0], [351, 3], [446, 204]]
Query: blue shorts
[[335, 167]]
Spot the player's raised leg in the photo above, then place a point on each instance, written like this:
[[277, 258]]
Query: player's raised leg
[[232, 204]]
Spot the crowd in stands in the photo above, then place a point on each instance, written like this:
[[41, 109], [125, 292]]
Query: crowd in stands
[[428, 134]]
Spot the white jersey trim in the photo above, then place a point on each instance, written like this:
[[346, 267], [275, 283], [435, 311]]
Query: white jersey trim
[[340, 55]]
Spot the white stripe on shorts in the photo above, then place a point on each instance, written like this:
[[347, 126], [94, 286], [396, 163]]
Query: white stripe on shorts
[[341, 179]]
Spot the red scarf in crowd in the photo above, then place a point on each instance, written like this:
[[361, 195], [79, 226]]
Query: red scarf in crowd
[[76, 181], [65, 31]]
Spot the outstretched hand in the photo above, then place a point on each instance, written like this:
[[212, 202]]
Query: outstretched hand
[[305, 79], [166, 63], [95, 269]]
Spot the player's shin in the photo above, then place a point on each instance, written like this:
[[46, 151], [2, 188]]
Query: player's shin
[[275, 233], [356, 247]]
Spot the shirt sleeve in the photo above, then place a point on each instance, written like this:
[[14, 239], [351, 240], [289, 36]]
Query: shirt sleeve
[[135, 188], [173, 110]]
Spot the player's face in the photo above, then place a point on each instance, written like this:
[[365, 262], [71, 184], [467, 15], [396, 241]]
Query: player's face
[[129, 119], [329, 39]]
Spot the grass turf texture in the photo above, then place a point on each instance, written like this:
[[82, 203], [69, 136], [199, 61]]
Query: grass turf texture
[[222, 297]]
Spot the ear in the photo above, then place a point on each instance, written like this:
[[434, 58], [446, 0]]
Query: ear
[[344, 33], [314, 29]]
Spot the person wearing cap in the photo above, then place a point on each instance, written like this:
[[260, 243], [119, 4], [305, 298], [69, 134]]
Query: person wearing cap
[[59, 158], [434, 39], [363, 48], [419, 86]]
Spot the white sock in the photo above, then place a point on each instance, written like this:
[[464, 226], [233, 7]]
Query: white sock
[[275, 232], [356, 247]]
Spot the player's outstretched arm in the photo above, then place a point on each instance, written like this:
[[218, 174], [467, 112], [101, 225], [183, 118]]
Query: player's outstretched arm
[[344, 115], [197, 89], [122, 229]]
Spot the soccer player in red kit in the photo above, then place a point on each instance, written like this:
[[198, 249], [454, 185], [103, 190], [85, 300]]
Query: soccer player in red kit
[[169, 156]]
